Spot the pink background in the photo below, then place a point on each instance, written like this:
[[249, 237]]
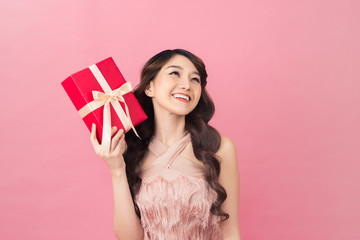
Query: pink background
[[284, 76]]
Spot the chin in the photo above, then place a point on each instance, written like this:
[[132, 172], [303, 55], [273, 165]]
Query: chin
[[182, 112], [177, 110]]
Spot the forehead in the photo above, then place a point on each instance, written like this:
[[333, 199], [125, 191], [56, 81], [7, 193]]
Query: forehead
[[182, 61]]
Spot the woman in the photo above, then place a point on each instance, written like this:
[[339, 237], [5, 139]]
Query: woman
[[180, 181]]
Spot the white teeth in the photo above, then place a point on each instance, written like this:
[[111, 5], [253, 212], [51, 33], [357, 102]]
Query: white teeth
[[182, 96]]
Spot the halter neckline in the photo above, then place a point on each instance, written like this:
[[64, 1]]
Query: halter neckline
[[183, 135]]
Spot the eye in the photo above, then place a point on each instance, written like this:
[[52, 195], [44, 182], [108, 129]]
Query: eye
[[176, 73], [196, 79]]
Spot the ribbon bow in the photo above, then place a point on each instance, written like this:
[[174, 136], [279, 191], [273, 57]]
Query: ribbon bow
[[116, 94], [104, 99], [113, 97]]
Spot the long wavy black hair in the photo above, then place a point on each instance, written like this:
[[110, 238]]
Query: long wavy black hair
[[204, 138]]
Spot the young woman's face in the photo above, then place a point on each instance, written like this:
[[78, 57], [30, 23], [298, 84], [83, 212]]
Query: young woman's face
[[177, 87]]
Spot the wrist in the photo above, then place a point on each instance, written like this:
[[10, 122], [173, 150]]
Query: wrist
[[118, 172]]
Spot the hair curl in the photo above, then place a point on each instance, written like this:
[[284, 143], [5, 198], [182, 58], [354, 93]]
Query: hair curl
[[204, 138]]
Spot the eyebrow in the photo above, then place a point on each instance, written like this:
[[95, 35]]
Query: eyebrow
[[175, 66]]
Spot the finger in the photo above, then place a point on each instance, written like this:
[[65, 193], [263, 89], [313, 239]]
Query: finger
[[116, 138], [121, 140], [120, 147], [113, 130], [93, 139]]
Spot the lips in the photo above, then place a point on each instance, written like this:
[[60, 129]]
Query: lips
[[182, 96]]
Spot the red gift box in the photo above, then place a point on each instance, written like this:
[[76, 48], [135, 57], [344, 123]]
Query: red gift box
[[100, 91]]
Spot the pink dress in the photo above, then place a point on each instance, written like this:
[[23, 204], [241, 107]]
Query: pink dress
[[174, 198]]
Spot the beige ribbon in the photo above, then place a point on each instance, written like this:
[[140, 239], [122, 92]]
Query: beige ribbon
[[104, 99]]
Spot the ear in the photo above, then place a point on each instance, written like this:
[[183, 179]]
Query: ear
[[149, 89]]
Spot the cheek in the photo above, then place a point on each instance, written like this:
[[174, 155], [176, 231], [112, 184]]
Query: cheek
[[198, 92], [198, 96]]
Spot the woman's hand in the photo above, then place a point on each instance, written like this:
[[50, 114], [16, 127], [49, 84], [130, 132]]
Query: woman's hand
[[113, 158]]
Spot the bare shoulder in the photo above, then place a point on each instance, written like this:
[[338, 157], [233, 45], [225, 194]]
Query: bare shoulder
[[227, 151], [229, 179]]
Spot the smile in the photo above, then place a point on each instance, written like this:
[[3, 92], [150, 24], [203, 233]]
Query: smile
[[181, 96]]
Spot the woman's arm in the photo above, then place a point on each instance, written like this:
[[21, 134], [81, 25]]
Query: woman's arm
[[229, 179], [126, 222]]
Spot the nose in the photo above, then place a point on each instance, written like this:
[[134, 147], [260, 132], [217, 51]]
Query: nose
[[184, 83]]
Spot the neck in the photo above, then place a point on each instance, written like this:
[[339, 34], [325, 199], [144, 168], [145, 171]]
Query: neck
[[168, 127]]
